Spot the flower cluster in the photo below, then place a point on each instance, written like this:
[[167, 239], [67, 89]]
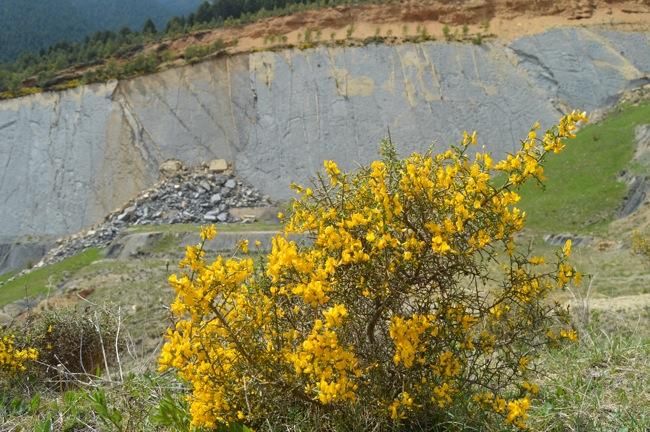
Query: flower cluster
[[12, 358], [398, 289]]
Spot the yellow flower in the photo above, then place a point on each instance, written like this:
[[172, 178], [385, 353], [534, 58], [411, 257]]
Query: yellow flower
[[518, 412], [571, 335], [12, 358], [335, 315], [442, 394], [530, 387], [208, 232], [406, 335], [332, 171], [399, 406]]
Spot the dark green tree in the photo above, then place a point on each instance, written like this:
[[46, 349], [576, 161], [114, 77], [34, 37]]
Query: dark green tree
[[149, 27]]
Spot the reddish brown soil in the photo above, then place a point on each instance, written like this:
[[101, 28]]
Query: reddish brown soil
[[505, 19]]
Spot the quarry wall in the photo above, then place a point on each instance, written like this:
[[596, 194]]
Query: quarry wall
[[69, 158]]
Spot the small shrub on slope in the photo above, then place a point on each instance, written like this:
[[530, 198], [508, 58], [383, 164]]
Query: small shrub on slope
[[409, 306], [69, 343], [641, 244]]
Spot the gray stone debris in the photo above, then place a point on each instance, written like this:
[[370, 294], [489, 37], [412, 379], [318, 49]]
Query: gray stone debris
[[189, 196], [637, 189], [560, 239]]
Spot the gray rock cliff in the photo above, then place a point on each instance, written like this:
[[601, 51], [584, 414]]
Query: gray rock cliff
[[67, 159]]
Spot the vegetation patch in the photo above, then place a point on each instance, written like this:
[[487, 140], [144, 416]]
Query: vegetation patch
[[5, 277], [107, 54], [602, 383], [392, 318], [41, 280], [583, 192]]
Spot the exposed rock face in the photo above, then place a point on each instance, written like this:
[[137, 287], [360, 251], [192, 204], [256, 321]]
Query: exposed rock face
[[21, 255], [68, 159]]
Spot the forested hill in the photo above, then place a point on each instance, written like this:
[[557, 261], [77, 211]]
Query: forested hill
[[31, 25]]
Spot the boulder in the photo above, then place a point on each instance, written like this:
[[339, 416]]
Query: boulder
[[170, 168], [5, 320], [218, 165], [252, 214]]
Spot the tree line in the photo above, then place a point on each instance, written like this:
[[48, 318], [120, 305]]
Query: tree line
[[117, 51]]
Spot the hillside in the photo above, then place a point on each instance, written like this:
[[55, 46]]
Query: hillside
[[408, 295], [32, 25]]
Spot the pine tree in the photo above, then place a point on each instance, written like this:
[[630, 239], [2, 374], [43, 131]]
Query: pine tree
[[149, 27]]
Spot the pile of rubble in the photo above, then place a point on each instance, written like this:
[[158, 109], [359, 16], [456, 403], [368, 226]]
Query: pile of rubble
[[210, 193], [205, 194]]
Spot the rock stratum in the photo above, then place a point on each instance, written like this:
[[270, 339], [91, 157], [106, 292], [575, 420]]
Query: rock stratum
[[67, 159]]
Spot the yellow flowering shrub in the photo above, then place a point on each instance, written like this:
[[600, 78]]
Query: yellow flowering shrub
[[406, 298]]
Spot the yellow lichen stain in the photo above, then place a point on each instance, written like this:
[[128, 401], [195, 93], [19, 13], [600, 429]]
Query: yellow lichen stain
[[389, 84], [263, 63], [347, 85], [409, 90], [490, 89], [625, 68], [428, 88]]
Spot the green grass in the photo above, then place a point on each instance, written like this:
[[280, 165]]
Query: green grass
[[582, 191], [38, 281], [168, 243], [600, 383], [185, 228], [5, 277]]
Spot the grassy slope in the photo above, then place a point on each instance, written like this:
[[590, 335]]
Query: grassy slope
[[5, 277], [582, 192], [40, 280], [600, 383]]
